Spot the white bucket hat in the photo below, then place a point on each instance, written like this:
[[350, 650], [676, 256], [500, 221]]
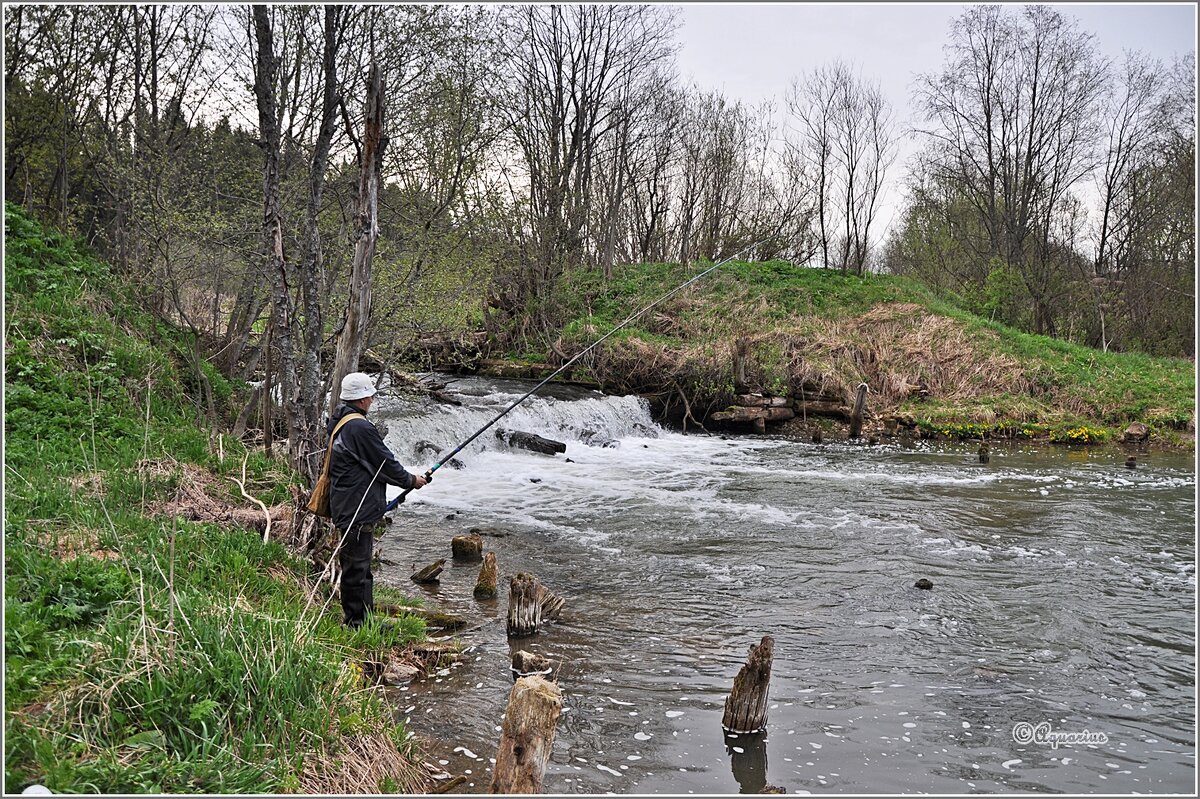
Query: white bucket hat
[[357, 385]]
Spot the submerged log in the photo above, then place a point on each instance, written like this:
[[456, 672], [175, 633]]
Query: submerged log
[[527, 736], [529, 602], [856, 415], [531, 441], [467, 547], [525, 664], [746, 705], [485, 586], [446, 622], [430, 573]]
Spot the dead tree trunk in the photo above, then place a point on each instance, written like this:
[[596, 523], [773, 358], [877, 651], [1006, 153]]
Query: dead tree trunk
[[352, 339], [467, 547], [485, 586], [527, 736], [746, 705], [856, 415], [528, 603]]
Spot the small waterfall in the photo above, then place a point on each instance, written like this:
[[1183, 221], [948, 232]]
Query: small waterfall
[[592, 419]]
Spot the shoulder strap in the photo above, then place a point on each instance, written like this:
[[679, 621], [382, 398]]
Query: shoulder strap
[[336, 429]]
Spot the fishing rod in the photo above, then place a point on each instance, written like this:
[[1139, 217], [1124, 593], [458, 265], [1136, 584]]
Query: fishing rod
[[429, 474]]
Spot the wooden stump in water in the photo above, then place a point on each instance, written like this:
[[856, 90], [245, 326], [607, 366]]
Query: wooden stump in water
[[524, 605], [527, 736], [551, 603], [984, 453], [430, 573], [485, 586], [525, 664], [528, 603], [746, 705], [856, 415], [817, 437], [467, 547]]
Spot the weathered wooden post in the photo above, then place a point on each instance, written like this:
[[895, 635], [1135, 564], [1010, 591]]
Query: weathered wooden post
[[746, 705], [528, 603], [485, 586], [467, 547], [527, 736], [741, 351], [856, 415], [524, 606], [984, 452], [430, 573]]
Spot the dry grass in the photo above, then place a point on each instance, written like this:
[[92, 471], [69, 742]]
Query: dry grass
[[363, 764], [900, 351], [201, 497]]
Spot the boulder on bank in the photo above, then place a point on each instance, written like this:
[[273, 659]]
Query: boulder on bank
[[1136, 433], [530, 441]]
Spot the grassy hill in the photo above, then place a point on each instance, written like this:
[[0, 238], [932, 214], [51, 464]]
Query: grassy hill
[[925, 360], [145, 652]]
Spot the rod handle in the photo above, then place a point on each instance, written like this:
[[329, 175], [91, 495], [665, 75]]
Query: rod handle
[[400, 499]]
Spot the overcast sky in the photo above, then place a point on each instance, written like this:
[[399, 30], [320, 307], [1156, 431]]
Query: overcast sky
[[751, 51]]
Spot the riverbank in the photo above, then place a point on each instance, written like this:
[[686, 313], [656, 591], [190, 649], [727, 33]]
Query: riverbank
[[158, 638], [798, 333]]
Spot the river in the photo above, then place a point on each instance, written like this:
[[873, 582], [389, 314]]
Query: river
[[1064, 594]]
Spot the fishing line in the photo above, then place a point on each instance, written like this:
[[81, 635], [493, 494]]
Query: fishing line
[[429, 474]]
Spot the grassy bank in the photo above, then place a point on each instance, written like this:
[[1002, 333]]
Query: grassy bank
[[926, 361], [146, 653]]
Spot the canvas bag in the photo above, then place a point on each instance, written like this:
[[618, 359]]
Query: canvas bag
[[318, 501]]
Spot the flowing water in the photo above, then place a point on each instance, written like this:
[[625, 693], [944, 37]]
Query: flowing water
[[1064, 593]]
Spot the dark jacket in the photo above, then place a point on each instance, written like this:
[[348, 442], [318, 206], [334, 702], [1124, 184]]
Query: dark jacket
[[358, 452]]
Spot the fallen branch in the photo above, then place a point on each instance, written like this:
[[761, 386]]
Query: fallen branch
[[241, 484]]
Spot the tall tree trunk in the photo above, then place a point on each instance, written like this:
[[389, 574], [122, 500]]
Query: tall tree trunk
[[352, 338], [312, 266], [266, 68]]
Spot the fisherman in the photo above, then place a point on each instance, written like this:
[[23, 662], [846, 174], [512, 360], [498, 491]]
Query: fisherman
[[360, 468]]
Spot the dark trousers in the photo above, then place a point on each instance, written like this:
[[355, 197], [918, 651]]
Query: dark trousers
[[357, 582]]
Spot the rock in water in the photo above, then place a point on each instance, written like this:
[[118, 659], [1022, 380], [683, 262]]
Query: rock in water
[[526, 663], [531, 442], [924, 585]]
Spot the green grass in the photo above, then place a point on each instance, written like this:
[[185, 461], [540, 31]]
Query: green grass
[[144, 654], [795, 316]]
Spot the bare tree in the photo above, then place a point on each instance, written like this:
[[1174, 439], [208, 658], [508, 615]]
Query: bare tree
[[569, 66], [1014, 114], [351, 339], [846, 136]]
